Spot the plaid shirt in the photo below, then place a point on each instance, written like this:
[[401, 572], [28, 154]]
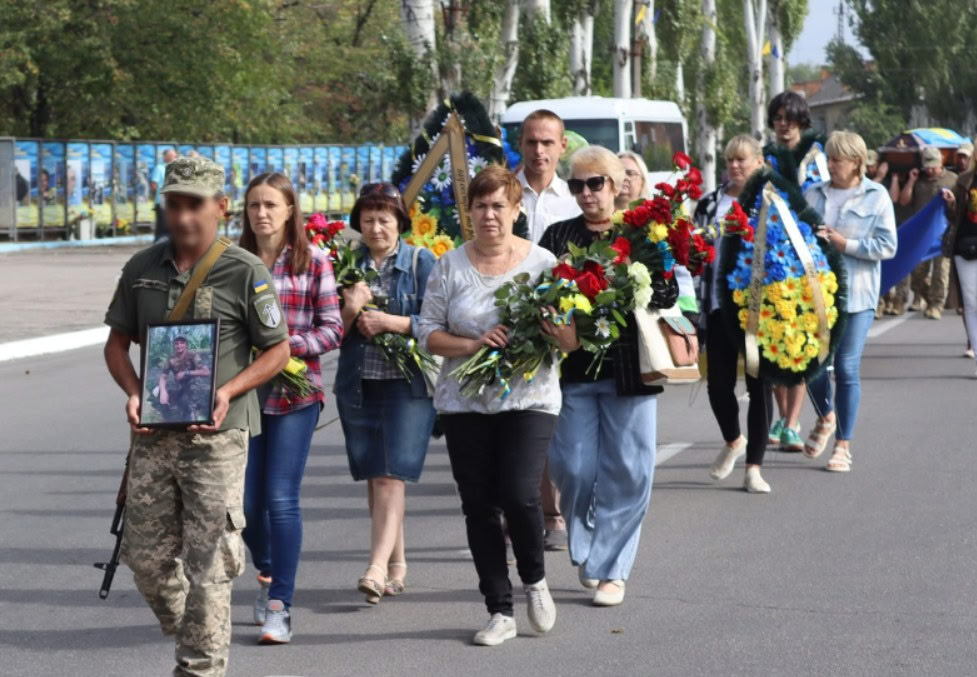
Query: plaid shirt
[[311, 307], [376, 366]]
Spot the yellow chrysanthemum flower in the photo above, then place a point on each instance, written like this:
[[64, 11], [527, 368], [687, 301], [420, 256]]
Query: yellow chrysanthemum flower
[[657, 232], [424, 225], [739, 297], [809, 321], [810, 350], [441, 245], [790, 289], [786, 310], [832, 316], [776, 330], [743, 316], [784, 362]]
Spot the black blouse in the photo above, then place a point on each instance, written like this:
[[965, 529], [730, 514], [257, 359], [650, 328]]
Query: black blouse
[[621, 363]]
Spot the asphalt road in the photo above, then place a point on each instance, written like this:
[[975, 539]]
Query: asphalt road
[[866, 574]]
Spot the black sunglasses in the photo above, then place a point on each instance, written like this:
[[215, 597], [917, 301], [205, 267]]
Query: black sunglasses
[[594, 183], [387, 189]]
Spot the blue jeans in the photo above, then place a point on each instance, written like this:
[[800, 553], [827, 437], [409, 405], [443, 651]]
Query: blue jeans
[[848, 377], [276, 463], [602, 459]]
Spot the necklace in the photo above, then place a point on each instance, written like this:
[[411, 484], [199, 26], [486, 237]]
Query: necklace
[[478, 255]]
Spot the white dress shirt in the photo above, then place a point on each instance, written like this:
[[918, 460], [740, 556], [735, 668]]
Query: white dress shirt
[[544, 209]]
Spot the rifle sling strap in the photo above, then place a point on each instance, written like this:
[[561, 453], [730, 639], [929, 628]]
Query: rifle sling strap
[[199, 275]]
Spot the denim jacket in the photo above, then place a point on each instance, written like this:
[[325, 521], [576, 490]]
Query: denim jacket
[[405, 299], [868, 221]]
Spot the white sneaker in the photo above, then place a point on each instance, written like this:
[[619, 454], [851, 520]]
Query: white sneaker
[[969, 352], [754, 482], [499, 629], [724, 463], [589, 583], [612, 597], [539, 605]]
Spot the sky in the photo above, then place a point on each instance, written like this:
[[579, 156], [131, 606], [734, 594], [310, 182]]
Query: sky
[[820, 27]]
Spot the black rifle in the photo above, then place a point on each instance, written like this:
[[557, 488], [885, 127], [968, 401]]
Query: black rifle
[[118, 524]]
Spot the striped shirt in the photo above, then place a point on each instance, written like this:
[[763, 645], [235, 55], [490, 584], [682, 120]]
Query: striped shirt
[[311, 307]]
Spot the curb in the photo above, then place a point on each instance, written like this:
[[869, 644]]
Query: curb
[[12, 247]]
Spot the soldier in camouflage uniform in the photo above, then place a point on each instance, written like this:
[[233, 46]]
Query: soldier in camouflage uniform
[[182, 382], [184, 515]]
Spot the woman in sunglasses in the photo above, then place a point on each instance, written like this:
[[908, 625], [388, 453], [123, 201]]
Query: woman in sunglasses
[[602, 456], [386, 418]]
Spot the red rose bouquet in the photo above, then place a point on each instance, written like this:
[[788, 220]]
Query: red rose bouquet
[[658, 230]]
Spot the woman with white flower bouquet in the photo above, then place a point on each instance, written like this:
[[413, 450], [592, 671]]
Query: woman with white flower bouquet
[[497, 442], [603, 452], [381, 393]]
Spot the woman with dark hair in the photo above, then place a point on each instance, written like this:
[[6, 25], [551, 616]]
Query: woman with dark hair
[[797, 154], [387, 419], [273, 230], [497, 446]]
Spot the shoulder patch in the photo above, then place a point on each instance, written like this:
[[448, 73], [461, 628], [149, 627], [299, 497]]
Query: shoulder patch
[[269, 313]]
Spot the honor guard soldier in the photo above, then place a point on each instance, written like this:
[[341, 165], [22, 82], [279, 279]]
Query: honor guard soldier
[[182, 536]]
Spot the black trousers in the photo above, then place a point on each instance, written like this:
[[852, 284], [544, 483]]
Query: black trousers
[[722, 355], [497, 461], [161, 229]]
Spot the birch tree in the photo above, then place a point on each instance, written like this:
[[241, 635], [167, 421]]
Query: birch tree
[[705, 125], [622, 48], [538, 8], [644, 44], [418, 20], [504, 74], [775, 35], [582, 49], [755, 20]]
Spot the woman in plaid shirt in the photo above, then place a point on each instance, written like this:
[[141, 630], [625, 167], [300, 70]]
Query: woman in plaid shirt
[[303, 276]]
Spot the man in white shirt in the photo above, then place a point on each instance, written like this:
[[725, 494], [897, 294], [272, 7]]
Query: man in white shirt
[[546, 198]]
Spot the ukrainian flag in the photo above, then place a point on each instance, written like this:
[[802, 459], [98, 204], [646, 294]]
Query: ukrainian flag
[[260, 286]]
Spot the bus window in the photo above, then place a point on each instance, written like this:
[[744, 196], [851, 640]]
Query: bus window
[[597, 132], [657, 142]]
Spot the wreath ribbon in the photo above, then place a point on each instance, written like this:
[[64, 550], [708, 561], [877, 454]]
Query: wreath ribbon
[[816, 156], [772, 201]]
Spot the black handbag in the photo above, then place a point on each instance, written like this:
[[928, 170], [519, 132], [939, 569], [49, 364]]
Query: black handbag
[[967, 248]]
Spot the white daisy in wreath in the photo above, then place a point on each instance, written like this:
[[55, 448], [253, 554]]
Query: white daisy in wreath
[[441, 178], [603, 327], [417, 163], [476, 164]]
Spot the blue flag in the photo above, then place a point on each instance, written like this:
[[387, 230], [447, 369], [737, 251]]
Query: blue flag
[[920, 239]]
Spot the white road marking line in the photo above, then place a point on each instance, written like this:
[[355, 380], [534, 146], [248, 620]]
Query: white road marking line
[[882, 327], [56, 343], [667, 451]]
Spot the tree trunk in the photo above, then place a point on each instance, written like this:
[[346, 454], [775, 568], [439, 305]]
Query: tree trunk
[[755, 19], [680, 84], [622, 48], [502, 82], [418, 19], [777, 57], [644, 46], [581, 51], [706, 130], [652, 53], [451, 81]]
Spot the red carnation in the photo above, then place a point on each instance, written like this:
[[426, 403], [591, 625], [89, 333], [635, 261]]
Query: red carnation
[[666, 189], [316, 222], [695, 192], [335, 227], [565, 271], [694, 176], [623, 248], [681, 160], [679, 240]]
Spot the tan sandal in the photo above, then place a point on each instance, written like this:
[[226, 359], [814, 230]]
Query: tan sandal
[[840, 460], [396, 585], [372, 588], [817, 441]]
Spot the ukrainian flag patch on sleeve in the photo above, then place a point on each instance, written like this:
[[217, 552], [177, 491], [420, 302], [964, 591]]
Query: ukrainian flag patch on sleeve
[[260, 286]]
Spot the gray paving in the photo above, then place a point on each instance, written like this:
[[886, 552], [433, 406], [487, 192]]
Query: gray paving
[[867, 574]]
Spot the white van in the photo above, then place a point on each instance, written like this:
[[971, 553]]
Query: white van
[[654, 129]]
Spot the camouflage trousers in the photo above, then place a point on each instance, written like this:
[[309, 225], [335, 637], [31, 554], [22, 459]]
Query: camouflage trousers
[[182, 538], [931, 281]]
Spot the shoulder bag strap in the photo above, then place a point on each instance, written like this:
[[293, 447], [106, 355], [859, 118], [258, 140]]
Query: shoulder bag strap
[[199, 275]]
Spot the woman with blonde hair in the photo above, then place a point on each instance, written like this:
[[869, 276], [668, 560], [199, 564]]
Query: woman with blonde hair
[[637, 183], [743, 156], [860, 223], [602, 456]]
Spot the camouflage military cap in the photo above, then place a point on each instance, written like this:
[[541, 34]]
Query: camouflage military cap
[[198, 176]]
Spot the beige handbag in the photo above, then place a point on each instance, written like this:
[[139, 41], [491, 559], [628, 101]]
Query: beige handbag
[[668, 347]]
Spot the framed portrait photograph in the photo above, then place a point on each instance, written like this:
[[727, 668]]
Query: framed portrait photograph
[[179, 374]]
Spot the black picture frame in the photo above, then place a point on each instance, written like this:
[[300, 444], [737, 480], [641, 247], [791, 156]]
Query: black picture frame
[[192, 402]]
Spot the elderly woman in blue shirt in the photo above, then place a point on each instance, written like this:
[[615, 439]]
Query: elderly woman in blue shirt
[[859, 223]]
